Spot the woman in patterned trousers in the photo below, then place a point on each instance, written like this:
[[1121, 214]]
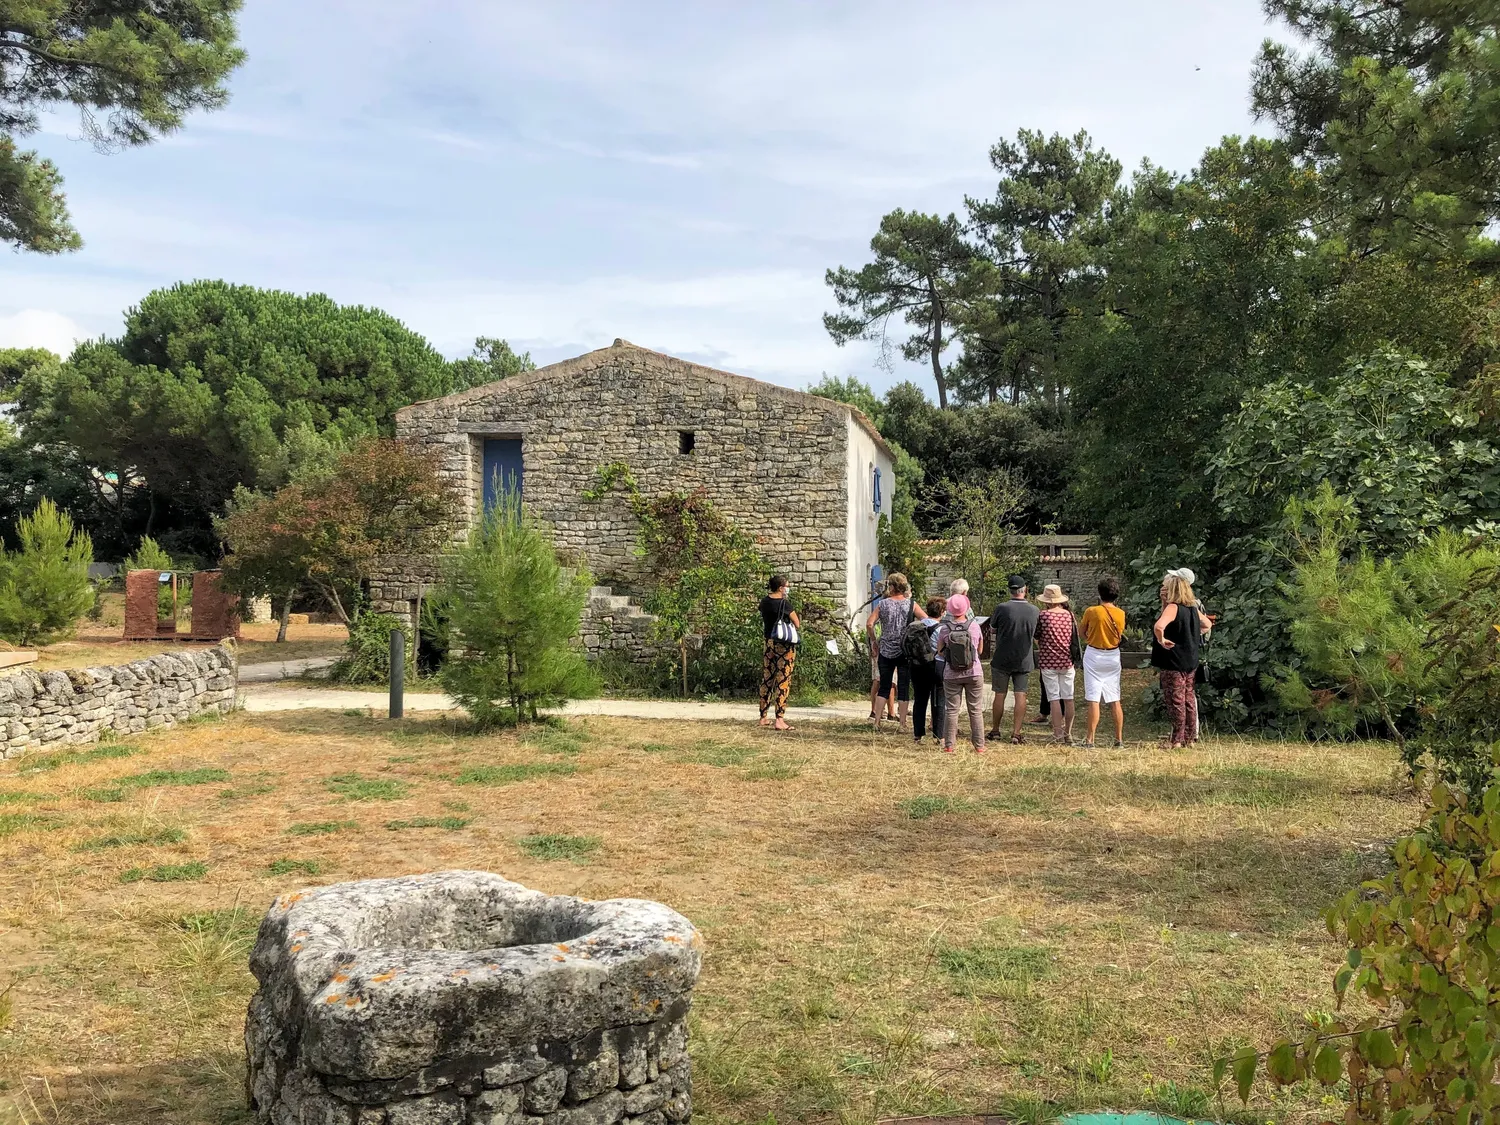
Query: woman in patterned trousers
[[781, 654]]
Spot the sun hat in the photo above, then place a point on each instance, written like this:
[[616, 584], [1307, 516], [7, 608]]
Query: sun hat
[[1052, 595], [958, 605]]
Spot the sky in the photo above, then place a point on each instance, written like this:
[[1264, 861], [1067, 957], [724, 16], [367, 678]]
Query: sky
[[678, 174]]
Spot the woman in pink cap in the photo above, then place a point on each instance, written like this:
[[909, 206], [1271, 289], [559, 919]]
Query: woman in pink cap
[[960, 645]]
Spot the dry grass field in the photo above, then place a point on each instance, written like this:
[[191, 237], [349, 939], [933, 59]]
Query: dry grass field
[[890, 930]]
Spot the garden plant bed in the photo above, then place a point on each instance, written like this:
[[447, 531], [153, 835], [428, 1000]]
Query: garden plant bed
[[890, 931]]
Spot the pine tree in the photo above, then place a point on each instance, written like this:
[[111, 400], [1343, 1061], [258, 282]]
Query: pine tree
[[513, 611], [44, 587]]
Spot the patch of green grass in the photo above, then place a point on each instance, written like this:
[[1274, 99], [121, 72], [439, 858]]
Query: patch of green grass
[[286, 866], [13, 822], [58, 758], [556, 740], [575, 849], [153, 839], [354, 787], [1019, 804], [456, 806], [771, 771], [318, 827], [711, 752], [451, 823], [103, 794], [976, 965], [151, 779], [928, 805], [508, 775], [166, 873], [18, 798], [250, 789], [239, 920], [654, 748]]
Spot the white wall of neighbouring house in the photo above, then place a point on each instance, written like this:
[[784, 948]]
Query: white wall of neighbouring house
[[862, 549]]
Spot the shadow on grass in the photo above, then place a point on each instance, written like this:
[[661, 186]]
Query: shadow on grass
[[187, 1091]]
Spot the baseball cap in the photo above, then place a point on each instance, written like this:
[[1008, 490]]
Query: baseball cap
[[1016, 581]]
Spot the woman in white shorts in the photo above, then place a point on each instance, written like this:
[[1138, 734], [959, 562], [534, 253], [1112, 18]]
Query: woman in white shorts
[[1103, 630]]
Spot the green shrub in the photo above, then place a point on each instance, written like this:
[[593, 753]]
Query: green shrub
[[516, 612], [366, 658], [44, 586]]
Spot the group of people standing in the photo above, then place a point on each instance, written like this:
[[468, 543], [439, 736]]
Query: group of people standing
[[927, 660]]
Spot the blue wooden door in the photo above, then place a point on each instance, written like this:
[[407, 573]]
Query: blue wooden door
[[502, 468]]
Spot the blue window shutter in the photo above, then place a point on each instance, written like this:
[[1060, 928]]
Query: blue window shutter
[[877, 489]]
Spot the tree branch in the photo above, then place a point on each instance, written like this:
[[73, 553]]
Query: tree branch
[[40, 53]]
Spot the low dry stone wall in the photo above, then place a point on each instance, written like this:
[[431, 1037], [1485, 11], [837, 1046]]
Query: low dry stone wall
[[460, 998], [81, 704]]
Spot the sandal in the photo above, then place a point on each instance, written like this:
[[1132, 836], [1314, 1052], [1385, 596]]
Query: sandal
[[1018, 740]]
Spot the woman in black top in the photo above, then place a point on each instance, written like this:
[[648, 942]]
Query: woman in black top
[[1174, 652], [781, 654]]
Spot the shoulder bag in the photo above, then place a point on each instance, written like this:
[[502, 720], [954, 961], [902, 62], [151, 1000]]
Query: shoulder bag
[[786, 630]]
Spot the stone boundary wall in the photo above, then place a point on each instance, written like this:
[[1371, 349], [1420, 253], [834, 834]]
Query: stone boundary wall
[[76, 705]]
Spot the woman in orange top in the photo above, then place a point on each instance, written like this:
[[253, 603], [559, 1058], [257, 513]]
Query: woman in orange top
[[1103, 630]]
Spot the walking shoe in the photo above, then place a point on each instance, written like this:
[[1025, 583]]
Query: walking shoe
[[1119, 744], [1089, 745]]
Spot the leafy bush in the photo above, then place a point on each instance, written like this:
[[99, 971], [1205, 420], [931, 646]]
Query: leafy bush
[[44, 586], [1424, 949], [366, 658], [515, 612]]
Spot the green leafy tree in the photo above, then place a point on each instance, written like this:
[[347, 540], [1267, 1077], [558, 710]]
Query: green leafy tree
[[214, 386], [1040, 237], [1398, 107], [44, 586], [514, 613], [1392, 437], [982, 536], [920, 275], [490, 361], [134, 69], [383, 499]]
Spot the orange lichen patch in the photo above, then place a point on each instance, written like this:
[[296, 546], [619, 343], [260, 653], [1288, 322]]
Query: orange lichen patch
[[297, 947], [697, 941], [563, 947], [459, 973], [673, 938], [354, 1001], [333, 998], [558, 957], [381, 978], [286, 902], [340, 978]]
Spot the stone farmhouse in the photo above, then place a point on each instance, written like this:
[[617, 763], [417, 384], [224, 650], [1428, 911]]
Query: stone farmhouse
[[807, 477]]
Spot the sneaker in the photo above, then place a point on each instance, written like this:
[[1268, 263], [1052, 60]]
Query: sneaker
[[1089, 745], [1119, 744]]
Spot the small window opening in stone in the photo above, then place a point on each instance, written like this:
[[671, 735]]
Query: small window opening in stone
[[687, 441]]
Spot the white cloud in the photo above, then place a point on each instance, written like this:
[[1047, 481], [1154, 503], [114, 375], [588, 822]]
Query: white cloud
[[40, 328]]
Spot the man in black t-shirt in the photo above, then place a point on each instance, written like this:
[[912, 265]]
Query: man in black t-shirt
[[1012, 630]]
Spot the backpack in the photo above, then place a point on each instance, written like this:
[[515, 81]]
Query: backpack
[[958, 646], [916, 646]]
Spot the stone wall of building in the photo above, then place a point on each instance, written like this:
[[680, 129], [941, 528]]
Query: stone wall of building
[[772, 459], [58, 708]]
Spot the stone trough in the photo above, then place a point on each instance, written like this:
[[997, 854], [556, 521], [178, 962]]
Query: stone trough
[[460, 998]]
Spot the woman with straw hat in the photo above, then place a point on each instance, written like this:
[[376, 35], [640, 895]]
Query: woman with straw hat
[[1057, 651]]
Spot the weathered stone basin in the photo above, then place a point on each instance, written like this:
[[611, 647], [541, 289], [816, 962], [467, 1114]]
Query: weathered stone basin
[[461, 998]]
